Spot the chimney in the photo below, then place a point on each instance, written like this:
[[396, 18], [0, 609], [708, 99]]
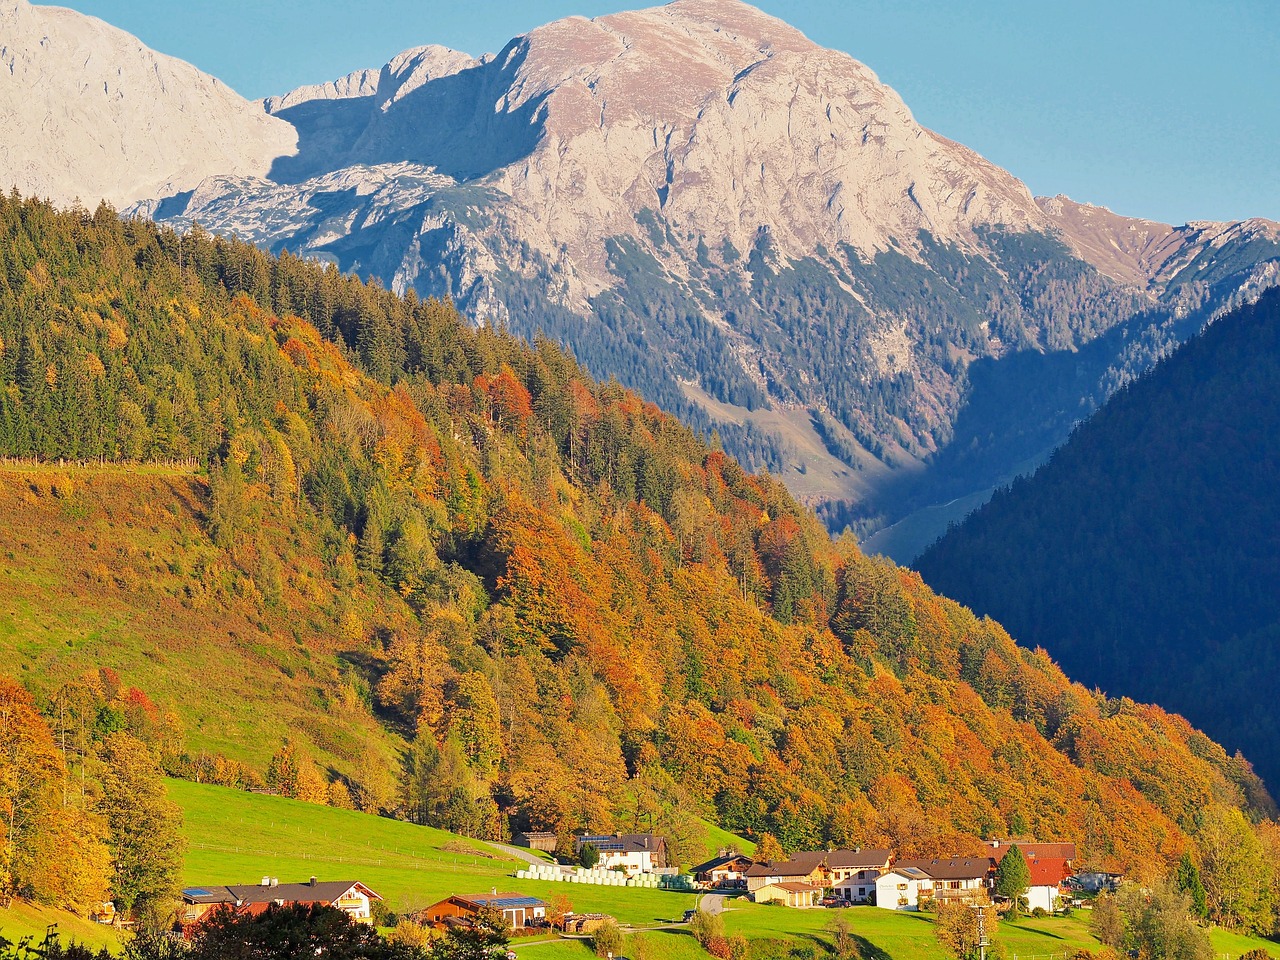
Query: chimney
[[646, 841], [266, 881], [275, 881], [313, 882]]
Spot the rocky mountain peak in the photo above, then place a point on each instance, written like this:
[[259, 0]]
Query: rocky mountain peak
[[91, 113]]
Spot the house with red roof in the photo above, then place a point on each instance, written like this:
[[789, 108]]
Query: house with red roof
[[1050, 864], [1047, 874]]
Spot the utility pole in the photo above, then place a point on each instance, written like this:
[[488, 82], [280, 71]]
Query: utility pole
[[983, 942]]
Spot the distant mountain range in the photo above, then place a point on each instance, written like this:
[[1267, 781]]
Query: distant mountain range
[[1143, 555], [750, 229]]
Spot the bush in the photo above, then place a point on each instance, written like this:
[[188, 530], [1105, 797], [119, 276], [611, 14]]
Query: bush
[[607, 939], [1039, 912], [706, 928]]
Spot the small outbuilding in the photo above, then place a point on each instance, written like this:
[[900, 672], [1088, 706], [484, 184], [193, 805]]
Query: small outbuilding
[[789, 894], [536, 840]]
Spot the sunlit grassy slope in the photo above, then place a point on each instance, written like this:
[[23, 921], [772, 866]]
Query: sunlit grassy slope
[[114, 569]]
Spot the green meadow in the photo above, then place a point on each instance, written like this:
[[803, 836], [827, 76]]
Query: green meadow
[[235, 837], [238, 837]]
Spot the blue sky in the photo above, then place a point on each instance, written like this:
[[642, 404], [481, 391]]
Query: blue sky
[[1168, 110]]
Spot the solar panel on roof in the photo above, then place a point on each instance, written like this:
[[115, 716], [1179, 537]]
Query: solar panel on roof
[[197, 892], [513, 901]]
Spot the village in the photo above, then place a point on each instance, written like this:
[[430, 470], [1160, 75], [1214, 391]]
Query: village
[[812, 879]]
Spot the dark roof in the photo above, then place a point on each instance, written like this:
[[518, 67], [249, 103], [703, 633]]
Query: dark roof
[[320, 892], [208, 895], [912, 872], [804, 862], [858, 859], [622, 842], [540, 834], [955, 868], [717, 862]]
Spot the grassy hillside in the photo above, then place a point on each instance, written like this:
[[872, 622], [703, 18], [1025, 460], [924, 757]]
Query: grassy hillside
[[115, 570], [238, 837], [489, 594], [23, 919]]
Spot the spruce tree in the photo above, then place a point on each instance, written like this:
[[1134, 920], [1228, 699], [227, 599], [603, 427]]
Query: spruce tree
[[1013, 878], [1188, 881]]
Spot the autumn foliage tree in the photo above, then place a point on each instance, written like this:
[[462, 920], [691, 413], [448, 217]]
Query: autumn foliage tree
[[144, 825], [52, 846]]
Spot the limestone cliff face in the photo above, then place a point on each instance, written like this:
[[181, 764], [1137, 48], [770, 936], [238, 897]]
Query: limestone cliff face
[[727, 122], [91, 113], [721, 120]]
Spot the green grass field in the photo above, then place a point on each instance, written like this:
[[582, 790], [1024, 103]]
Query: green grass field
[[24, 920], [236, 837]]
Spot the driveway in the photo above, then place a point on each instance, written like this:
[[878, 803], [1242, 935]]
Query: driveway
[[528, 856], [712, 903]]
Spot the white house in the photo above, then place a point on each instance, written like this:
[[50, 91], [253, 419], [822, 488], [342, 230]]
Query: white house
[[1050, 865], [1047, 874], [632, 852], [958, 878], [900, 888]]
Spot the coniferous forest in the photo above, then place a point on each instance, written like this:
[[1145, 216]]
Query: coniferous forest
[[534, 600], [1143, 556]]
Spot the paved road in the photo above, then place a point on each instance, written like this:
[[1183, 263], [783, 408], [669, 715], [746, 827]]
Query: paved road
[[712, 903]]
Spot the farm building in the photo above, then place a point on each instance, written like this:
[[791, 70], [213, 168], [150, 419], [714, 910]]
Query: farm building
[[544, 841], [724, 872], [517, 909], [351, 897], [632, 852]]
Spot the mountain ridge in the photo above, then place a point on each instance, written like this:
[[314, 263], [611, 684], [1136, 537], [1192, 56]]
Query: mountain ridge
[[1141, 555], [751, 230]]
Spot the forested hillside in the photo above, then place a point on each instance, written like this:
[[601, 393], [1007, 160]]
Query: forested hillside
[[551, 605], [1143, 556]]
